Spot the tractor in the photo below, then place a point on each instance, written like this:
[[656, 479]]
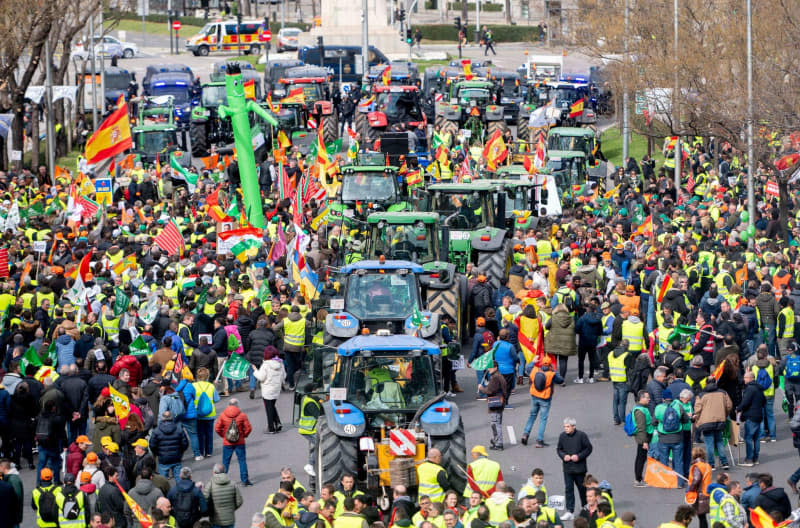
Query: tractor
[[155, 135], [568, 93], [207, 128], [569, 170], [313, 81], [473, 107], [537, 94], [509, 90], [536, 194], [366, 189], [394, 108], [414, 236], [293, 121], [382, 389], [573, 138], [379, 295], [474, 229]]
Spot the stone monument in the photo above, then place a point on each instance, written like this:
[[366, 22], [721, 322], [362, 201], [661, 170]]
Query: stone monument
[[341, 24]]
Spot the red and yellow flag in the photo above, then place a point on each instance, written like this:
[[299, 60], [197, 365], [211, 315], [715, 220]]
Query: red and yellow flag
[[283, 140], [495, 151], [145, 520], [122, 407], [296, 95], [672, 142], [576, 109], [717, 374], [646, 229], [112, 137], [665, 287], [467, 65], [386, 76]]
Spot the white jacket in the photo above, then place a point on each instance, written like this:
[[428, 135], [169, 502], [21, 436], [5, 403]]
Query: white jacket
[[271, 374]]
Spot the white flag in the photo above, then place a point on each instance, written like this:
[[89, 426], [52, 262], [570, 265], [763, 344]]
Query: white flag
[[77, 293]]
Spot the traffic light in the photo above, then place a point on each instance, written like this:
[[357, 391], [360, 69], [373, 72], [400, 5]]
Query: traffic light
[[401, 16], [457, 23], [409, 37]]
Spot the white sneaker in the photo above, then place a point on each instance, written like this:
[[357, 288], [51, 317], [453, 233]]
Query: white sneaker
[[578, 380], [198, 458], [309, 469], [566, 516], [590, 380]]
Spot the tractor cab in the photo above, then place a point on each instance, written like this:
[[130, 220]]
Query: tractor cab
[[572, 138], [568, 168], [367, 189], [156, 133], [526, 193]]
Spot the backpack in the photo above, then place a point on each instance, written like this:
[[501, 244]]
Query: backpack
[[233, 343], [671, 422], [48, 509], [232, 432], [488, 338], [71, 510], [204, 405], [43, 429], [183, 507], [793, 368], [176, 406], [540, 381], [763, 379], [630, 423], [148, 417], [566, 300]]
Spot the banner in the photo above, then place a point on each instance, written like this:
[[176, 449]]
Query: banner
[[235, 367], [122, 407]]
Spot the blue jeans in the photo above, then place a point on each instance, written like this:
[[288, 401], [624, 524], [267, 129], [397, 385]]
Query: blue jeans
[[620, 400], [205, 436], [713, 439], [190, 427], [241, 456], [75, 429], [164, 469], [751, 430], [537, 405], [50, 458], [253, 380], [677, 457], [769, 412]]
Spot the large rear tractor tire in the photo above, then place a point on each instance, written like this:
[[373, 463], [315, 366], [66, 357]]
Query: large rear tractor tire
[[199, 137], [495, 264], [334, 456], [359, 119], [447, 302], [454, 455], [523, 132], [492, 126], [330, 128]]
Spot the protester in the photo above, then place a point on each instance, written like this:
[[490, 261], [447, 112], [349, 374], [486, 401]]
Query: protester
[[573, 449], [233, 426]]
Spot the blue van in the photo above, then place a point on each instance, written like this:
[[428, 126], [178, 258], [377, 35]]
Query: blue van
[[343, 62]]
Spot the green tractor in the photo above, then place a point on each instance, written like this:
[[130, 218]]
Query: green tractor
[[526, 193], [366, 189], [414, 236], [569, 170], [156, 133], [293, 121], [472, 108], [474, 231], [572, 139], [537, 95], [207, 128]]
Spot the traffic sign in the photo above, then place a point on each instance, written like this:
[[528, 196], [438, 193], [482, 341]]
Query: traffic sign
[[265, 36], [402, 442], [176, 25]]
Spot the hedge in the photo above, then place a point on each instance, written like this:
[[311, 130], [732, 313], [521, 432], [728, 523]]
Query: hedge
[[456, 6], [189, 20], [500, 33]]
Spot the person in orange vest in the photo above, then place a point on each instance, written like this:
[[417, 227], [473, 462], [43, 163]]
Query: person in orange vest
[[630, 300], [542, 379], [699, 479]]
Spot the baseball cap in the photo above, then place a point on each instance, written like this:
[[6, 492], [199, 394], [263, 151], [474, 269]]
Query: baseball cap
[[86, 477], [480, 450], [113, 447], [605, 305], [83, 439], [46, 474], [141, 443], [91, 458], [480, 321]]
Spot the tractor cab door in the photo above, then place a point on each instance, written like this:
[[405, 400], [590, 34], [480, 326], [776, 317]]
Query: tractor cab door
[[317, 373]]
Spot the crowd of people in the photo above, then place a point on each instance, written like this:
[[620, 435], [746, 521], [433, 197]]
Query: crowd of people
[[117, 349]]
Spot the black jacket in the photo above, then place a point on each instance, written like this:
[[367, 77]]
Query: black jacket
[[772, 499], [753, 403], [76, 395], [257, 341], [97, 383], [576, 443], [111, 501], [168, 441]]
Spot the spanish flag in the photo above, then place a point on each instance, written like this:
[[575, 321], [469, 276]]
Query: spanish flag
[[576, 109], [386, 76], [467, 65], [646, 229], [665, 287], [672, 142], [717, 374], [296, 95], [250, 89], [495, 151], [283, 140], [112, 137]]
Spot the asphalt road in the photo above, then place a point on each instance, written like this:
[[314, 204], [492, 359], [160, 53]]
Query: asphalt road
[[590, 405]]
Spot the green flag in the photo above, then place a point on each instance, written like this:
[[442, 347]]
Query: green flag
[[121, 302], [31, 357], [201, 300], [682, 330], [180, 172], [484, 361], [235, 367], [417, 319], [52, 354], [139, 347], [263, 292], [436, 140]]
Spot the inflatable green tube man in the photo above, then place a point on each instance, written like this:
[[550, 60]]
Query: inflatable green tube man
[[237, 109]]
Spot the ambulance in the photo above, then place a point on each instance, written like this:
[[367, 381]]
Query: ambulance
[[228, 35]]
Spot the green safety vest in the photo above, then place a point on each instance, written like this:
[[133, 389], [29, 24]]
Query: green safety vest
[[307, 424], [616, 367], [770, 392], [648, 419], [353, 257], [661, 409]]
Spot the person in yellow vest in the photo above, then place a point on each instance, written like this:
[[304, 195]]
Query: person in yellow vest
[[273, 511], [185, 333], [620, 362], [633, 332], [683, 517], [347, 490], [475, 501], [307, 426], [785, 330], [482, 474], [533, 485], [71, 503], [349, 518], [294, 329], [605, 516], [45, 519], [767, 363], [432, 477], [206, 392], [500, 504]]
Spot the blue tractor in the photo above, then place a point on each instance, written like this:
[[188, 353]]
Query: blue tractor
[[372, 390], [380, 295]]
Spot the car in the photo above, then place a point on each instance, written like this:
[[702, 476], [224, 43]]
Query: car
[[287, 39], [106, 46], [129, 49]]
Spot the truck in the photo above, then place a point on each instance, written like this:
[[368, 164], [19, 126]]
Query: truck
[[544, 67], [381, 388], [118, 81], [172, 80]]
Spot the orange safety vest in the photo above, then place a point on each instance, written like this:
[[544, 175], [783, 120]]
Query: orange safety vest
[[779, 282], [631, 302], [705, 475], [548, 389]]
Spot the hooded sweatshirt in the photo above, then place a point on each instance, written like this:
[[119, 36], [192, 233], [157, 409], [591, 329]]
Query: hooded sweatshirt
[[145, 495]]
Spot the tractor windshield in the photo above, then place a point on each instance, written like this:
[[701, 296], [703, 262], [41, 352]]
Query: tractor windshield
[[381, 295], [557, 142], [369, 186], [120, 81], [214, 96], [179, 93], [405, 242], [480, 95], [398, 107], [289, 118], [509, 88], [390, 382], [466, 211], [566, 172], [156, 140], [517, 199], [311, 91]]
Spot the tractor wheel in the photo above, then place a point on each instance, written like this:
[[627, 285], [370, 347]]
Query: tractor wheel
[[199, 137], [494, 264], [447, 302], [371, 134], [450, 127], [358, 122], [454, 455], [523, 132], [492, 126], [439, 120], [334, 456], [330, 128]]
